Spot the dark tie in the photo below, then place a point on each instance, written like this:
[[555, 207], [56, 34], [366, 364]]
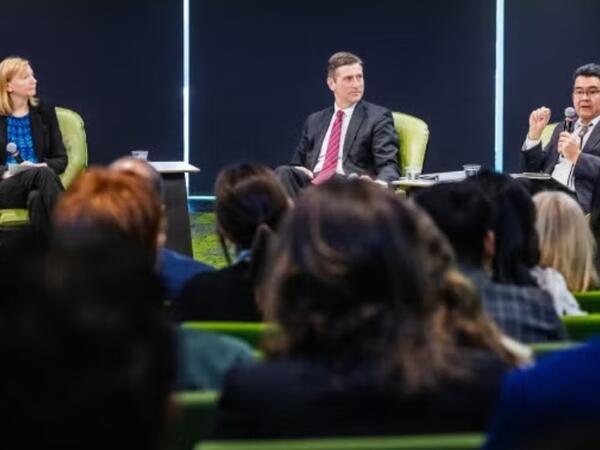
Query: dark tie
[[333, 151], [582, 132]]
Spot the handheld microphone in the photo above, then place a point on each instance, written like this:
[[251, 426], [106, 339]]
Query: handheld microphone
[[11, 148], [570, 118]]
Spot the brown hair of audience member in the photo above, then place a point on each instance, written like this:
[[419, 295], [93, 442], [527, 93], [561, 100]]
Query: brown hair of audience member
[[566, 241], [10, 68], [114, 199], [359, 274], [248, 196], [340, 59]]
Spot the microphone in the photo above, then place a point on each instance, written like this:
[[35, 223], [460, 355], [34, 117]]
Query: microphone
[[570, 118], [11, 148]]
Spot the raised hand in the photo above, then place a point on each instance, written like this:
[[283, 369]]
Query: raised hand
[[538, 119]]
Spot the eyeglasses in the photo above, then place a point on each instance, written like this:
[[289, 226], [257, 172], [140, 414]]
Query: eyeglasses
[[589, 92]]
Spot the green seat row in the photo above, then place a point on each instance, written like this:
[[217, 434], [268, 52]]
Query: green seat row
[[193, 419], [589, 301], [425, 442], [251, 332]]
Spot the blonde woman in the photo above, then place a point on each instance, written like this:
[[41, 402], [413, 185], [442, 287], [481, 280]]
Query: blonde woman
[[566, 241], [29, 130]]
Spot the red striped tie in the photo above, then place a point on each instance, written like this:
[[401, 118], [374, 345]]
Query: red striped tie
[[333, 150]]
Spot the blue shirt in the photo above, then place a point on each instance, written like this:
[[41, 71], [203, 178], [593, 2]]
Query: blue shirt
[[18, 130]]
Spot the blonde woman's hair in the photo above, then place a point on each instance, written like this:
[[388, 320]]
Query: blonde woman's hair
[[9, 68], [566, 241]]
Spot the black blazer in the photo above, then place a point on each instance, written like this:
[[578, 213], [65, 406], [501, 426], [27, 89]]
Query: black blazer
[[226, 294], [370, 147], [297, 396], [587, 168], [47, 140]]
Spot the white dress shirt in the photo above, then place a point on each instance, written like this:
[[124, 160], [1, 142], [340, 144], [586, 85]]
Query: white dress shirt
[[345, 121]]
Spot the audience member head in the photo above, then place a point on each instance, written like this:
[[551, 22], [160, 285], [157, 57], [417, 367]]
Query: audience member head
[[361, 275], [464, 214], [16, 77], [88, 350], [513, 223], [115, 199], [566, 241], [248, 196], [141, 168]]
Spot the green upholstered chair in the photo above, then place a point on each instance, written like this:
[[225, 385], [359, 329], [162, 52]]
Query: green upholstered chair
[[589, 301], [413, 136], [547, 133], [193, 421], [425, 442], [581, 328], [250, 332], [73, 134]]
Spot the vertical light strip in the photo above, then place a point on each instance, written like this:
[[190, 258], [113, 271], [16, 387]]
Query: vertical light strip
[[499, 92], [186, 86]]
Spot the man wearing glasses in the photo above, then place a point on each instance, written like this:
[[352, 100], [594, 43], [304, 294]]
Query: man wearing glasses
[[571, 158]]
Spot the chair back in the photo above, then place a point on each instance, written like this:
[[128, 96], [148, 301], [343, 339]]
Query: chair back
[[581, 328], [193, 421], [467, 441], [547, 133], [589, 301], [413, 136], [74, 138], [251, 332]]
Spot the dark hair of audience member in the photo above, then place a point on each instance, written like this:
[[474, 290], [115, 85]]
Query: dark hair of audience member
[[463, 213], [248, 196], [355, 278], [103, 197], [89, 352], [513, 223]]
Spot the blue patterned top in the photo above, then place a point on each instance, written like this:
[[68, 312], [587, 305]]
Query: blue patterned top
[[18, 130]]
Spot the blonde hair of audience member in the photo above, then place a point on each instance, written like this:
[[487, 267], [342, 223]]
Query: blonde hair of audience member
[[359, 273], [103, 197], [566, 241], [9, 69]]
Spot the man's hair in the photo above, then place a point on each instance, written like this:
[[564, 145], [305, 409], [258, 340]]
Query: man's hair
[[142, 168], [463, 213], [90, 348], [587, 70], [340, 59]]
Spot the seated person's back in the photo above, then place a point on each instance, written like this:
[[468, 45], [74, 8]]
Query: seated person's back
[[366, 348]]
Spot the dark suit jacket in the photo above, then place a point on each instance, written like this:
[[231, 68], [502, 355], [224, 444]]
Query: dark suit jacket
[[307, 397], [226, 294], [587, 168], [556, 400], [47, 140], [370, 147]]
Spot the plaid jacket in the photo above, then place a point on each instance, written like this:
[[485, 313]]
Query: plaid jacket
[[524, 313]]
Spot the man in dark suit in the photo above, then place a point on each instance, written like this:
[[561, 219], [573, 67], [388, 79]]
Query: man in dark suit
[[352, 137], [573, 159]]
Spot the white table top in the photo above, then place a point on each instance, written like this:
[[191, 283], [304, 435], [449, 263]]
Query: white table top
[[173, 167], [431, 179]]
